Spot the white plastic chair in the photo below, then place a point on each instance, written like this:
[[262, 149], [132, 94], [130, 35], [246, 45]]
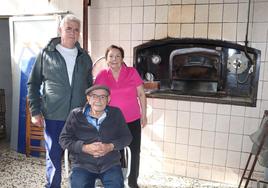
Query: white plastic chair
[[126, 170]]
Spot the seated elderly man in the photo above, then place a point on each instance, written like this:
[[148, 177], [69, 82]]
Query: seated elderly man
[[94, 135]]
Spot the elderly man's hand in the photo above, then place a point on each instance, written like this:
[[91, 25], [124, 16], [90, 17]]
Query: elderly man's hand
[[97, 149]]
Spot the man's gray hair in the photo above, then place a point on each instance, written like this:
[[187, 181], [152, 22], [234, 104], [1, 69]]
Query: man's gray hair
[[68, 18]]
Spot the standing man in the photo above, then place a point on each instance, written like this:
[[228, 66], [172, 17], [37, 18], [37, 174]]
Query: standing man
[[63, 69]]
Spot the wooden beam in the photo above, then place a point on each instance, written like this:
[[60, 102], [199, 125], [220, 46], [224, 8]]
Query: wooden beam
[[85, 24]]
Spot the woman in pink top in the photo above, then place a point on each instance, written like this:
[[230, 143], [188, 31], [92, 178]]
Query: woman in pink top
[[127, 93]]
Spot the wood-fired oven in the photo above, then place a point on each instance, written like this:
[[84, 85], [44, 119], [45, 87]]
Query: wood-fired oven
[[199, 70]]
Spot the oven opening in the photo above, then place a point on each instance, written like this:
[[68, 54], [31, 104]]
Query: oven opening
[[200, 70]]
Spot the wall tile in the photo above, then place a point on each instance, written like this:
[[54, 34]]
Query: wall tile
[[200, 31], [197, 106], [125, 31], [201, 13], [210, 108], [126, 46], [136, 33], [182, 136], [214, 31], [188, 2], [196, 120], [231, 176], [148, 31], [208, 139], [215, 12], [137, 2], [229, 31], [192, 170], [265, 74], [187, 13], [265, 91], [260, 12], [171, 105], [174, 14], [253, 111], [181, 151], [158, 133], [169, 150], [221, 140], [202, 1], [241, 32], [219, 157], [125, 3], [158, 117], [233, 159], [247, 144], [149, 2], [183, 119], [224, 109], [184, 105], [171, 118], [137, 15], [160, 31], [259, 31], [168, 166], [110, 3], [125, 15], [175, 1], [187, 30], [194, 153], [114, 15], [235, 142], [237, 124], [174, 30], [223, 123], [149, 14], [238, 110], [206, 155], [216, 1], [180, 168], [161, 2], [194, 137], [158, 103], [242, 12], [230, 12], [251, 125], [161, 14], [243, 161], [205, 172], [209, 122], [170, 134]]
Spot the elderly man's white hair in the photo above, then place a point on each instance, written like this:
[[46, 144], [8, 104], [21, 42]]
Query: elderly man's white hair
[[69, 17]]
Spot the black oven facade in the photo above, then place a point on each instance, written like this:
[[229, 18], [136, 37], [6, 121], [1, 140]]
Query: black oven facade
[[199, 70]]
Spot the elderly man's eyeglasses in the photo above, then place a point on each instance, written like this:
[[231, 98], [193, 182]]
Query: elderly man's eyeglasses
[[100, 97]]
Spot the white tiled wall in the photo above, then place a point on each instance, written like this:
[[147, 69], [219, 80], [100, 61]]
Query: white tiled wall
[[200, 140]]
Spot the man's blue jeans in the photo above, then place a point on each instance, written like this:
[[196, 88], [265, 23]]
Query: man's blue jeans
[[53, 153], [111, 178]]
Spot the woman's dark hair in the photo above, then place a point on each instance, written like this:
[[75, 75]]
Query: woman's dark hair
[[114, 47]]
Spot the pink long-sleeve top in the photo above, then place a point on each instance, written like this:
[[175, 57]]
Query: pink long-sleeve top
[[123, 91]]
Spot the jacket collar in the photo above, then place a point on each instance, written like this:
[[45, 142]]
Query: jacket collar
[[51, 46]]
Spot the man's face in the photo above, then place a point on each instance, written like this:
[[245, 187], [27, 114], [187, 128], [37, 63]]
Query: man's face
[[98, 99], [70, 33]]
